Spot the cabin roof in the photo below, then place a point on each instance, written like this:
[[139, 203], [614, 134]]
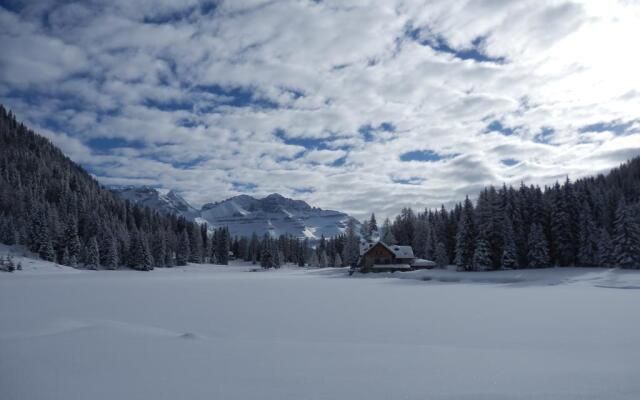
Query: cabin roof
[[398, 251], [402, 251]]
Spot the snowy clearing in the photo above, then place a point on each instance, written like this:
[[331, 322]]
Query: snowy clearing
[[213, 332]]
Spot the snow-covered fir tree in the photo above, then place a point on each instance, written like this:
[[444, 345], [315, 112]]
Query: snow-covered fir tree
[[110, 258], [538, 247], [482, 255], [626, 237], [140, 257], [587, 238], [441, 257], [604, 254], [338, 261], [195, 245], [184, 249], [352, 246], [223, 246], [93, 254], [314, 262], [466, 237], [323, 260], [387, 235]]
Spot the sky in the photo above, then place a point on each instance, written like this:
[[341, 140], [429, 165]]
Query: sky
[[359, 106]]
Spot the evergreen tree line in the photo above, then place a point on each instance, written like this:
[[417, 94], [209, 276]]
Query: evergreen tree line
[[591, 222], [59, 212], [270, 252]]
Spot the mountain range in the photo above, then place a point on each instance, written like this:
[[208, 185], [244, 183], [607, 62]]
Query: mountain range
[[244, 215]]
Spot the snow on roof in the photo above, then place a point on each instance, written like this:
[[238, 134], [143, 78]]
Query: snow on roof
[[398, 251], [402, 251]]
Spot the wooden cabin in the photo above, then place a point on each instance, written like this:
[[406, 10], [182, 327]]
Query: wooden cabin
[[380, 257]]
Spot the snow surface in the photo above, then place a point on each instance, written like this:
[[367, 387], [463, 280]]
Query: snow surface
[[213, 332]]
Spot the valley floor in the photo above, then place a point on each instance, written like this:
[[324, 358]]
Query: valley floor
[[213, 332]]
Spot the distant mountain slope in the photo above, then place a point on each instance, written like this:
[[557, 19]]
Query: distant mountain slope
[[146, 196], [245, 215]]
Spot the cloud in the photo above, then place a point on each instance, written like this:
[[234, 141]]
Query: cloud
[[321, 100]]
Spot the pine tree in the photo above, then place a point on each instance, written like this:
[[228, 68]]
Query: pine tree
[[222, 247], [373, 224], [140, 254], [538, 247], [267, 256], [324, 262], [64, 258], [184, 249], [482, 255], [626, 238], [159, 248], [465, 238], [387, 235], [441, 257], [561, 234], [277, 255], [365, 231], [509, 252], [195, 245], [420, 238], [254, 245], [111, 260], [72, 241], [605, 249], [588, 238], [47, 251], [352, 246], [93, 254], [314, 262], [338, 261], [430, 246]]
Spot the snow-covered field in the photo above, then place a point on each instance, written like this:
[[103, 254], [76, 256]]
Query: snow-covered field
[[212, 332]]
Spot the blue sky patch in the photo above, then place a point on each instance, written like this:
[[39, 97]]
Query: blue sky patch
[[303, 190], [169, 105], [544, 136], [618, 127], [104, 145], [339, 162], [243, 186], [368, 131], [509, 161], [237, 96], [439, 44], [496, 126], [307, 143], [423, 156], [205, 8], [414, 180]]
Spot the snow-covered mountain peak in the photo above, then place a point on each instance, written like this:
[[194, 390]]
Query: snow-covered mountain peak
[[245, 215], [147, 196]]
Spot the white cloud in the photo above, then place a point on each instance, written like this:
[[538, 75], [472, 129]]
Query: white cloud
[[202, 93]]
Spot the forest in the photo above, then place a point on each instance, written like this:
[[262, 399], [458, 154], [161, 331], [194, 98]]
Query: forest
[[593, 221]]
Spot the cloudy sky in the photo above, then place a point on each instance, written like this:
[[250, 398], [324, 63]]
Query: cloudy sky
[[353, 105]]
